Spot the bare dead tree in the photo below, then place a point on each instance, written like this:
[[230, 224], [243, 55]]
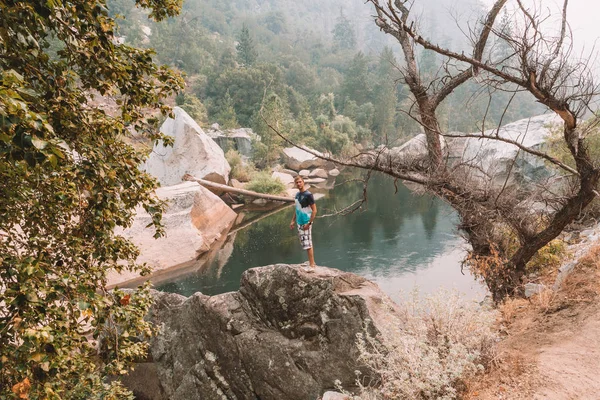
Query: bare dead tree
[[491, 212], [428, 96]]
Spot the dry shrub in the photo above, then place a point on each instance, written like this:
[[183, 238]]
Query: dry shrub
[[544, 299], [431, 350], [511, 307], [484, 267], [240, 170], [549, 256], [492, 269], [583, 283], [591, 259], [243, 172]]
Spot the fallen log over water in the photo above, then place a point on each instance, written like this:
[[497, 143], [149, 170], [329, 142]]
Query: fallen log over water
[[249, 222], [225, 188]]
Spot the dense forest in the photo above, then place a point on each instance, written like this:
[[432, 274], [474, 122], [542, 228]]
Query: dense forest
[[322, 72]]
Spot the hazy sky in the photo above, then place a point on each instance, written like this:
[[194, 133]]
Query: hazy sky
[[583, 19]]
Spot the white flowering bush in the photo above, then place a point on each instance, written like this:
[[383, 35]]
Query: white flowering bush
[[430, 349]]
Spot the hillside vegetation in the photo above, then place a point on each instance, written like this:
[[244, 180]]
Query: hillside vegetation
[[323, 72]]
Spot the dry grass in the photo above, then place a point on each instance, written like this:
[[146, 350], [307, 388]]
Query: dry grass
[[431, 349], [582, 285], [510, 308], [591, 259], [544, 300]]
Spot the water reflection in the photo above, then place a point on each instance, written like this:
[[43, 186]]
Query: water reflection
[[399, 240]]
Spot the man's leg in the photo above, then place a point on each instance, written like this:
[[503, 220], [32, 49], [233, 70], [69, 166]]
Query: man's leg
[[311, 257]]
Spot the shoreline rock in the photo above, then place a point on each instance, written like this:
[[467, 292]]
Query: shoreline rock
[[286, 334], [194, 220]]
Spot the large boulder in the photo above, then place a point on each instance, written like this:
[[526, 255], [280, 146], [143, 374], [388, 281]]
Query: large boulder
[[285, 178], [286, 334], [239, 139], [499, 159], [289, 172], [195, 218], [298, 159], [414, 150], [485, 156], [318, 173], [193, 152], [334, 172]]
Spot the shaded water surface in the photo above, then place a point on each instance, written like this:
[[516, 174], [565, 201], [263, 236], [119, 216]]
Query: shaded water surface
[[400, 241]]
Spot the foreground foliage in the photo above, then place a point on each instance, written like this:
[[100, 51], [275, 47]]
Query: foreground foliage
[[67, 180]]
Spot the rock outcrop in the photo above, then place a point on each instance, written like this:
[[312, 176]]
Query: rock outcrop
[[487, 156], [193, 152], [286, 334], [318, 173], [285, 178], [298, 159], [413, 151], [239, 139], [194, 219], [499, 158]]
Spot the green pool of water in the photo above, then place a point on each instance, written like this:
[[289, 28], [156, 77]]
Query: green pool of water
[[400, 241]]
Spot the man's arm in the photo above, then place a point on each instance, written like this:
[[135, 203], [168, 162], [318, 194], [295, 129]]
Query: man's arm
[[293, 220], [313, 207]]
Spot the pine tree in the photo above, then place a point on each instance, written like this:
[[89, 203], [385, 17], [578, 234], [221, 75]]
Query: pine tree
[[227, 59], [226, 116], [275, 112], [428, 64], [356, 86], [326, 105], [343, 33], [246, 50]]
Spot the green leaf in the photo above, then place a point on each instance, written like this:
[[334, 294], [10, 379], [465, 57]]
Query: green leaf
[[53, 268], [39, 143], [53, 160], [83, 305], [32, 297]]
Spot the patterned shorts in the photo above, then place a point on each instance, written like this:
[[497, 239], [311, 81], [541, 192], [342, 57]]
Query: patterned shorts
[[305, 237]]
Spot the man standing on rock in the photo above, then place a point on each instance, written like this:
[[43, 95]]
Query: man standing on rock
[[304, 215]]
